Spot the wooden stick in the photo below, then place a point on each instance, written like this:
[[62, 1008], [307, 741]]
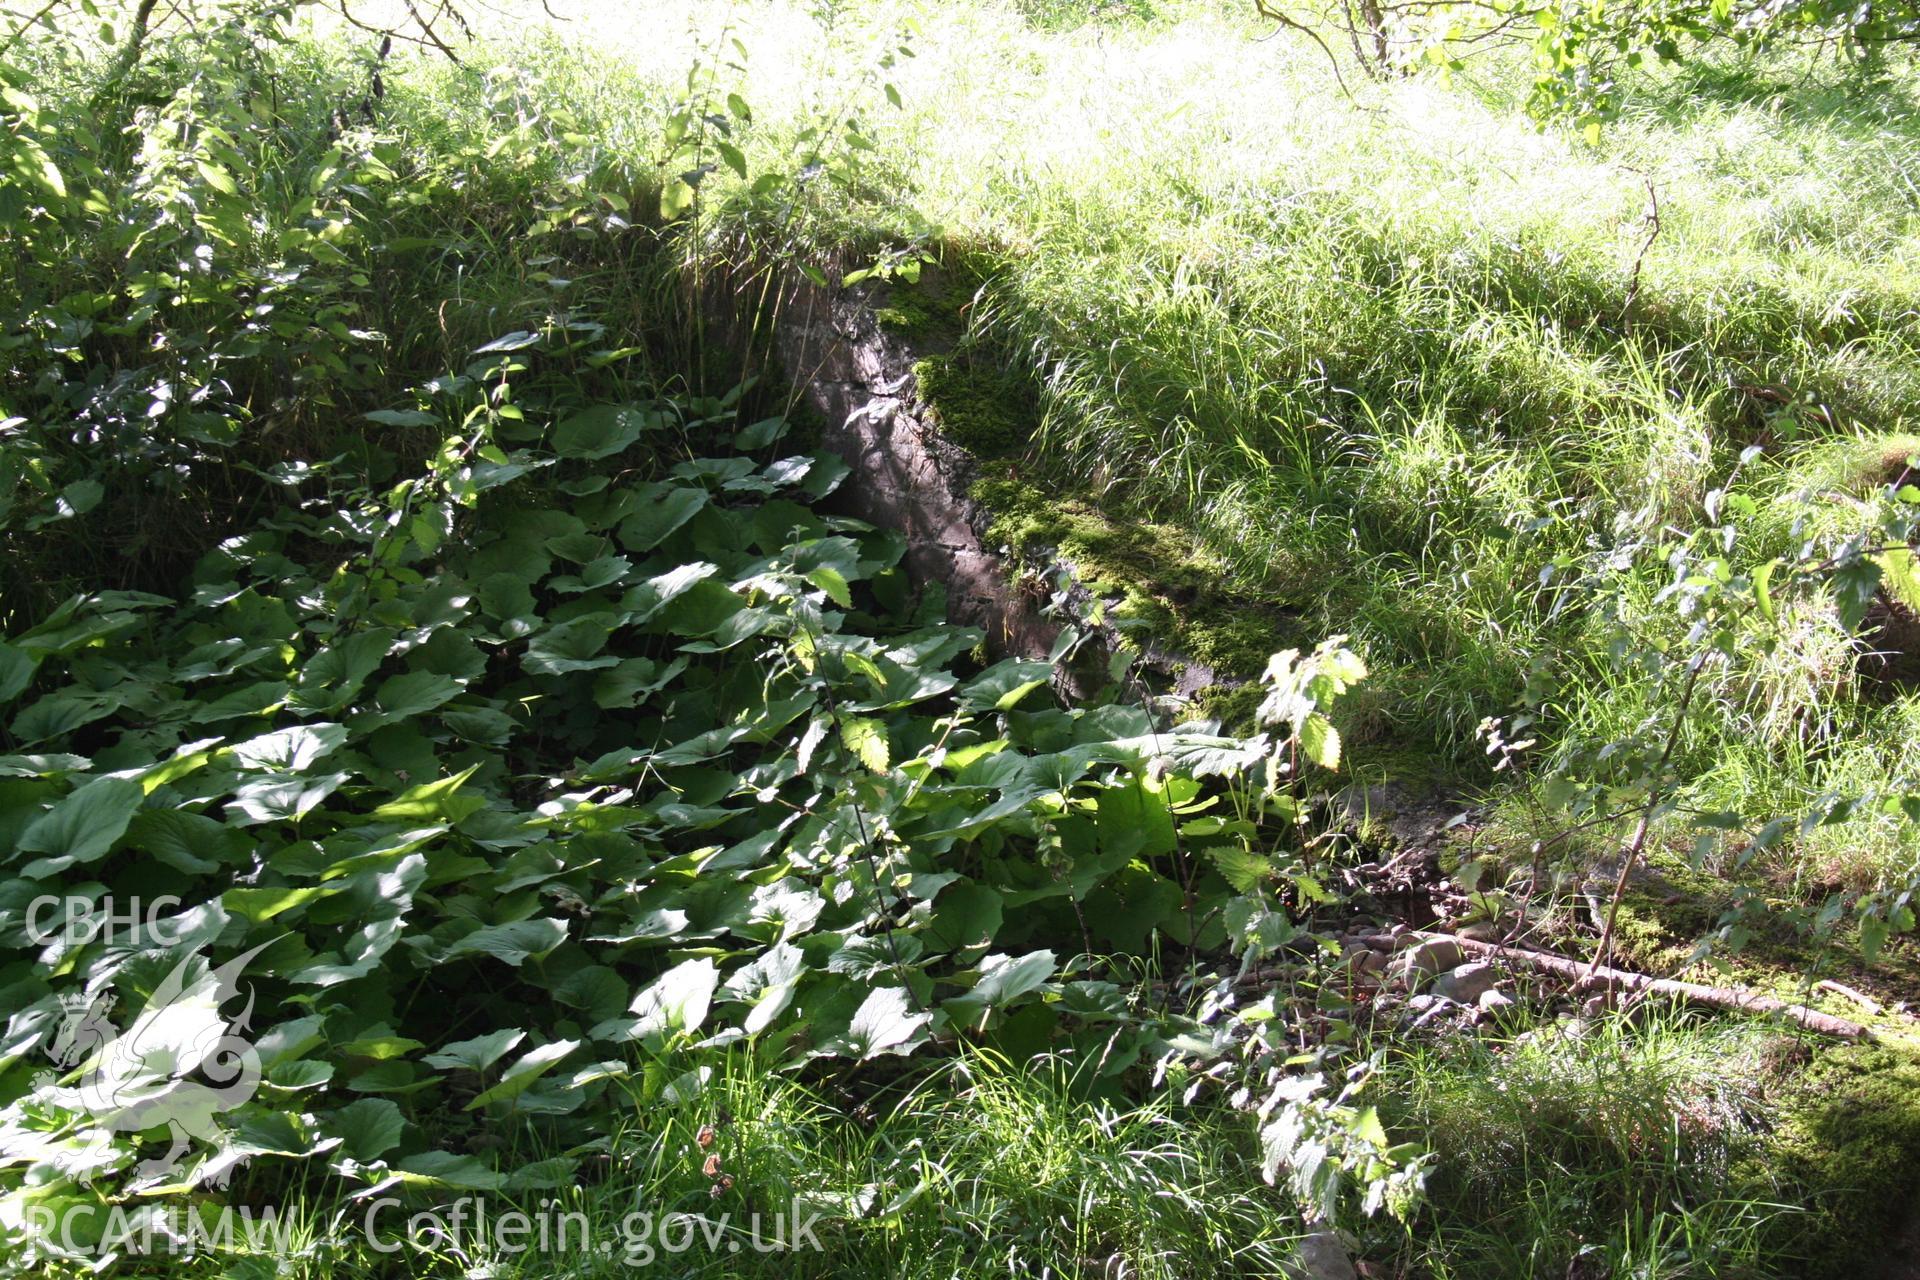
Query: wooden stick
[[1587, 977], [1860, 998]]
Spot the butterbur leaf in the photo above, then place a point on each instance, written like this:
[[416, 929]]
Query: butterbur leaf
[[444, 1169], [768, 982], [885, 1023], [82, 826], [663, 509], [293, 750], [574, 645], [650, 596], [597, 991], [431, 802], [512, 943], [334, 675], [478, 1053], [1134, 819], [544, 1175], [367, 1128], [760, 434], [966, 915], [191, 843], [257, 905], [380, 1044], [531, 1066], [1004, 979], [518, 340], [414, 693], [16, 672], [1003, 685], [677, 1002], [788, 904], [401, 417], [62, 713], [601, 431], [359, 955], [505, 595], [294, 1077]]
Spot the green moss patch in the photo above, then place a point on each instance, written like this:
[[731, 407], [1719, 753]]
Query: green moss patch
[[1848, 1139], [1233, 705], [986, 410], [1162, 585], [932, 308], [915, 311]]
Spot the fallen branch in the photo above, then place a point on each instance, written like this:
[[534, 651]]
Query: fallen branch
[[1860, 998], [1590, 977]]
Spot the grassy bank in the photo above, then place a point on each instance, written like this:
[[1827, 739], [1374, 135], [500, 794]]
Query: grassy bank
[[1269, 361], [1388, 355]]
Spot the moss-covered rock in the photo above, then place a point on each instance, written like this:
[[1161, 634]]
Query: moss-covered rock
[[1161, 584], [1233, 705], [985, 410], [931, 308], [914, 312]]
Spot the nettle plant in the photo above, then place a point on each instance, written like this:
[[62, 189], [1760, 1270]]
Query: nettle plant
[[1697, 647]]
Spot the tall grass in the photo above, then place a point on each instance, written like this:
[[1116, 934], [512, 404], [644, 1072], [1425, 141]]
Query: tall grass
[[1387, 354], [977, 1169], [1377, 353]]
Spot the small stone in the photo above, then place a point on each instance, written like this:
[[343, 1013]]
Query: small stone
[[1479, 931], [1426, 959], [1370, 964], [1321, 1256], [1468, 982], [1494, 999], [1594, 1007]]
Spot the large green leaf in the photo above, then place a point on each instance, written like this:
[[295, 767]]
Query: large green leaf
[[676, 1003], [663, 508], [602, 431], [81, 828], [512, 943], [291, 750], [885, 1023], [476, 1054], [16, 672], [530, 1067], [367, 1128], [576, 645], [1005, 979]]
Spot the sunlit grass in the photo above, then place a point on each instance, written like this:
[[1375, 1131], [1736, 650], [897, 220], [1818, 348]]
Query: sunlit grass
[[1387, 353]]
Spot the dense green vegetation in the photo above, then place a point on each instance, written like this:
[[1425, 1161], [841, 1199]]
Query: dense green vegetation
[[418, 577]]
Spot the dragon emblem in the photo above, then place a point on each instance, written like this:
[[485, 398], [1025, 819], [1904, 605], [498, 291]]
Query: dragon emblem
[[180, 1064]]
